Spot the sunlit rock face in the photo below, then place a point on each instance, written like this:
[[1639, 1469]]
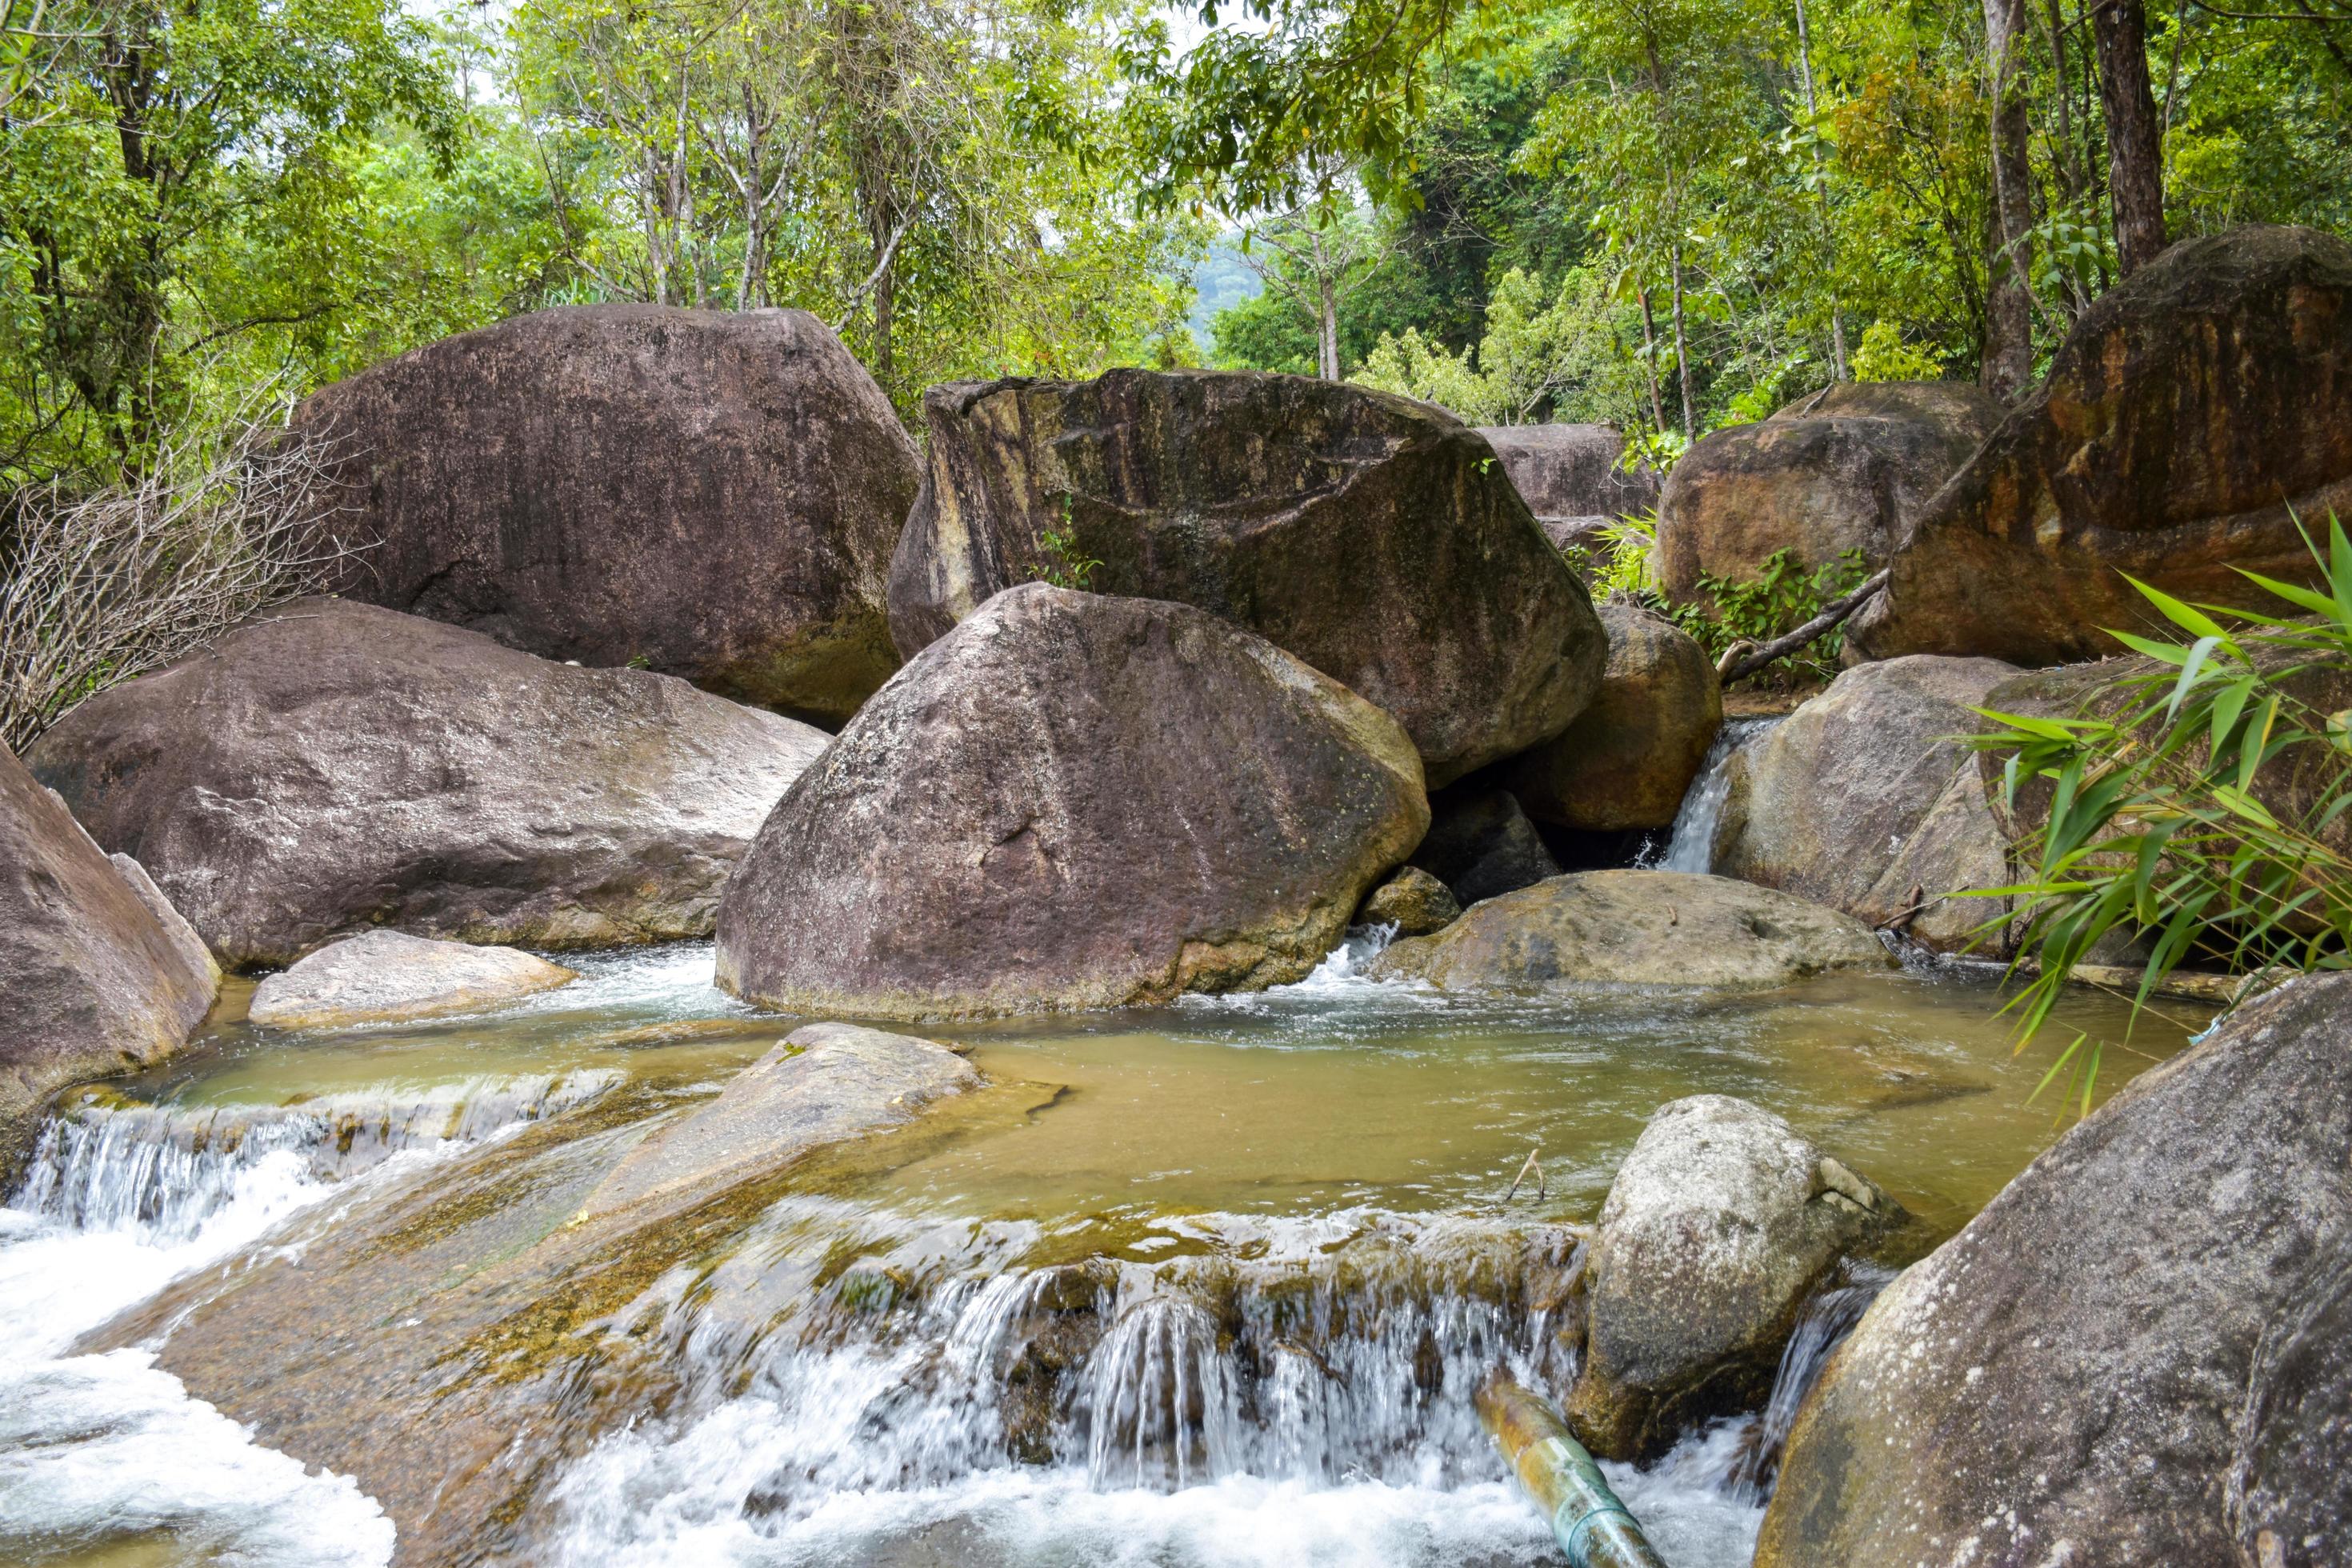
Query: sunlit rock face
[[1073, 801], [712, 494], [2114, 1362], [2197, 411], [332, 766], [1374, 536], [379, 976]]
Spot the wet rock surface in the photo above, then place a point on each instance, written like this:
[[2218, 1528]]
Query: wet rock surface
[[1635, 928], [2195, 410], [1411, 901], [91, 982], [1372, 536], [713, 493], [1719, 1225], [332, 766], [2102, 1367], [1480, 844], [1073, 801], [1629, 758], [380, 977]]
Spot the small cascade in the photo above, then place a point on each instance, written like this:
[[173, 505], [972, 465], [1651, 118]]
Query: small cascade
[[163, 1171], [1162, 1403], [1690, 846], [1823, 1325]]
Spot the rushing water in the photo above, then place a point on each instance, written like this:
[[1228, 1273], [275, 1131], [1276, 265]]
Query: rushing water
[[1690, 846], [1202, 1285]]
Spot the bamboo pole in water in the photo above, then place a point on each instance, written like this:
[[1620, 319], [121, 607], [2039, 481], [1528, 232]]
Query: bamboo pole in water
[[1591, 1525]]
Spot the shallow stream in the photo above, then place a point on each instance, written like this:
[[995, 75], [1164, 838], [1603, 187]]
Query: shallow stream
[[1204, 1285]]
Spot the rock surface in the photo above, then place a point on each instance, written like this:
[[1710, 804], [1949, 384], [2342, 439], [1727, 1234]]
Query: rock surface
[[713, 493], [1865, 793], [332, 766], [1635, 928], [175, 925], [1481, 845], [90, 982], [825, 1083], [1720, 1222], [1413, 901], [1073, 801], [1630, 755], [1570, 470], [1371, 536], [1848, 468], [2067, 1380], [380, 977], [2197, 409]]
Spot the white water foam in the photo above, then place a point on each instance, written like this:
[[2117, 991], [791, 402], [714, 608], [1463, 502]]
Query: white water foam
[[1690, 846]]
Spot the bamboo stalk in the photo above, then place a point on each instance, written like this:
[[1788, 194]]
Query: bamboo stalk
[[1592, 1527]]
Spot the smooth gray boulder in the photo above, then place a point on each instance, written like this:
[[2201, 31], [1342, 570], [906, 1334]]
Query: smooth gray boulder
[[821, 1084], [1865, 799], [175, 925], [330, 767], [1372, 536], [2114, 1363], [713, 494], [1719, 1225], [1073, 801], [1635, 928], [1481, 845], [1411, 901], [1570, 470], [382, 976], [91, 982]]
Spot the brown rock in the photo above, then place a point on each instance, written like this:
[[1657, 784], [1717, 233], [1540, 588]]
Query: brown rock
[[332, 766], [90, 982], [1570, 470], [1413, 901], [712, 494], [1848, 468], [1630, 755], [1073, 801], [1370, 535], [2197, 408]]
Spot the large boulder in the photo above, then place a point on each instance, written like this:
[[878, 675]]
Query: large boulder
[[1073, 801], [1630, 757], [712, 494], [91, 982], [1481, 845], [1371, 535], [382, 976], [1570, 470], [1719, 1225], [1848, 468], [2197, 411], [2101, 1368], [1635, 928], [332, 766], [1867, 800]]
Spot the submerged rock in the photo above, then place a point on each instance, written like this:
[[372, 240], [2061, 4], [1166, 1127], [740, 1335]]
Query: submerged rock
[[1480, 844], [2114, 1363], [1370, 535], [91, 981], [332, 766], [1719, 1225], [1073, 801], [1635, 928], [2197, 411], [1411, 901], [383, 976], [822, 1084], [1866, 799], [1630, 757], [1570, 470], [713, 493]]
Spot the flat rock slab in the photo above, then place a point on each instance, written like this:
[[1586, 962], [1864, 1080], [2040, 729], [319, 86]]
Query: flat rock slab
[[382, 976], [1636, 928], [824, 1084]]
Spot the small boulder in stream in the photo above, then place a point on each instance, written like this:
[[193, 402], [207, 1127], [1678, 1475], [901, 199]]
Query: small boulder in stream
[[2133, 1355], [1720, 1224], [1373, 536], [382, 976], [332, 766], [1073, 801], [1635, 928], [1480, 844], [1411, 901], [92, 979]]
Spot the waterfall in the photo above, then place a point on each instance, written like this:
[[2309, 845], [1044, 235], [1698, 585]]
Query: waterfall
[[1691, 844], [1823, 1325]]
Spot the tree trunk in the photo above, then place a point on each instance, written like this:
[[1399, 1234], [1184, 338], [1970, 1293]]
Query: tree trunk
[[1650, 358], [2135, 139], [1821, 191], [1682, 351], [2008, 357], [1326, 329]]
